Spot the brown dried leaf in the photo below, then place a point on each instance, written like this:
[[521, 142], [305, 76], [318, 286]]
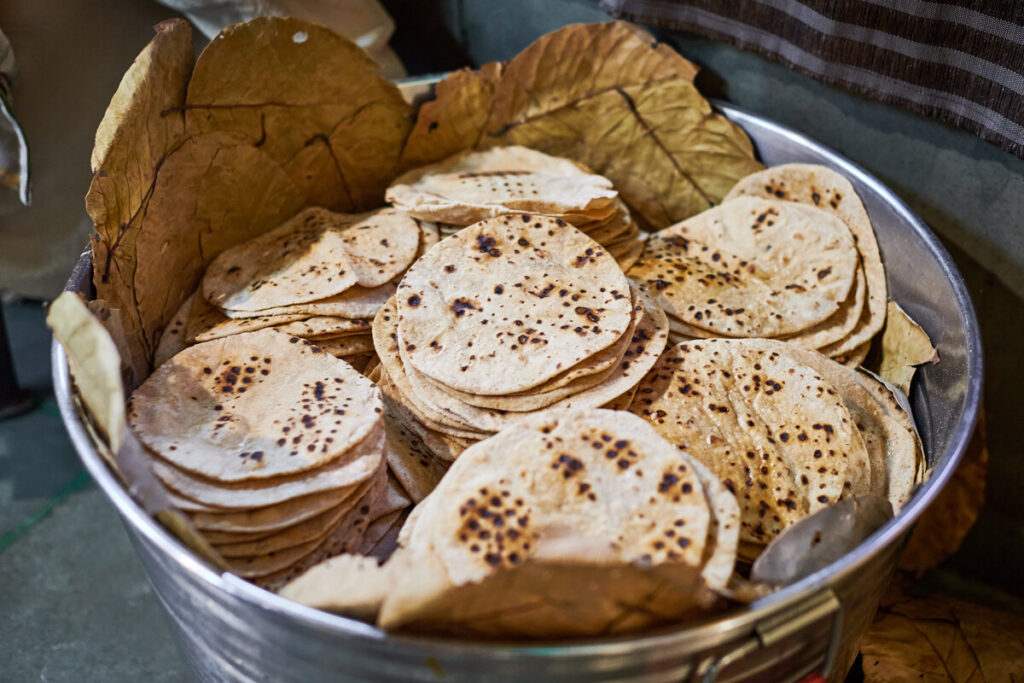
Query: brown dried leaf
[[905, 346], [454, 119], [141, 125], [940, 639], [143, 118], [944, 525], [134, 367], [310, 99], [214, 191], [93, 362], [603, 94]]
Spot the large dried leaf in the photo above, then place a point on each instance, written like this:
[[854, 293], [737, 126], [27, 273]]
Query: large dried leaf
[[144, 117], [134, 366], [309, 98], [454, 120], [213, 192], [944, 525], [93, 362], [603, 94], [905, 346], [141, 125], [941, 639]]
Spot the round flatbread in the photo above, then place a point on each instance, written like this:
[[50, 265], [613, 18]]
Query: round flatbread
[[355, 302], [838, 325], [464, 305], [479, 184], [345, 472], [314, 255], [565, 525], [751, 267], [773, 430], [255, 405], [325, 326], [830, 191], [891, 447], [172, 339]]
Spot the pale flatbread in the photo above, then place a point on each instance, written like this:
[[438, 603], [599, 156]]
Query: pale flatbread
[[325, 326], [352, 585], [350, 470], [207, 322], [346, 346], [773, 430], [627, 256], [479, 184], [891, 446], [751, 267], [645, 344], [314, 255], [312, 529], [409, 460], [584, 375], [348, 531], [253, 406], [355, 302], [443, 446], [272, 518], [464, 305], [840, 324], [830, 191], [520, 537]]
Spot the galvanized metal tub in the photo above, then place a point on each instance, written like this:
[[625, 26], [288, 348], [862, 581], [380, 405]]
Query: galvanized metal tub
[[230, 630]]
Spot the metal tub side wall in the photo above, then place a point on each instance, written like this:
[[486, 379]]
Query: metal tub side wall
[[229, 638], [231, 630]]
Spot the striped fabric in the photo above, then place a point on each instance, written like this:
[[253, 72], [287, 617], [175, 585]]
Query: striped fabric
[[961, 61]]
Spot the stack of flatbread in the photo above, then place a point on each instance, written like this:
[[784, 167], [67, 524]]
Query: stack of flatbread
[[321, 276], [507, 317], [479, 184], [790, 254], [572, 523], [274, 449], [788, 430]]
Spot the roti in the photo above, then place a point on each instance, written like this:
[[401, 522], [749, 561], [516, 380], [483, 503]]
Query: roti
[[830, 191], [172, 339], [891, 446], [314, 255], [773, 430], [479, 184], [410, 461], [253, 406], [325, 326], [355, 302], [354, 468], [464, 305], [751, 267], [520, 538], [207, 322], [837, 326]]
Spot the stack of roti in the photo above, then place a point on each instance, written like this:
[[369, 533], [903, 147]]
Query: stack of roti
[[479, 184], [274, 449], [788, 430], [572, 523], [320, 276], [790, 254], [507, 317]]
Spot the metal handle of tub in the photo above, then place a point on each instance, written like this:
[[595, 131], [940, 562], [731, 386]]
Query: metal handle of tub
[[808, 633]]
